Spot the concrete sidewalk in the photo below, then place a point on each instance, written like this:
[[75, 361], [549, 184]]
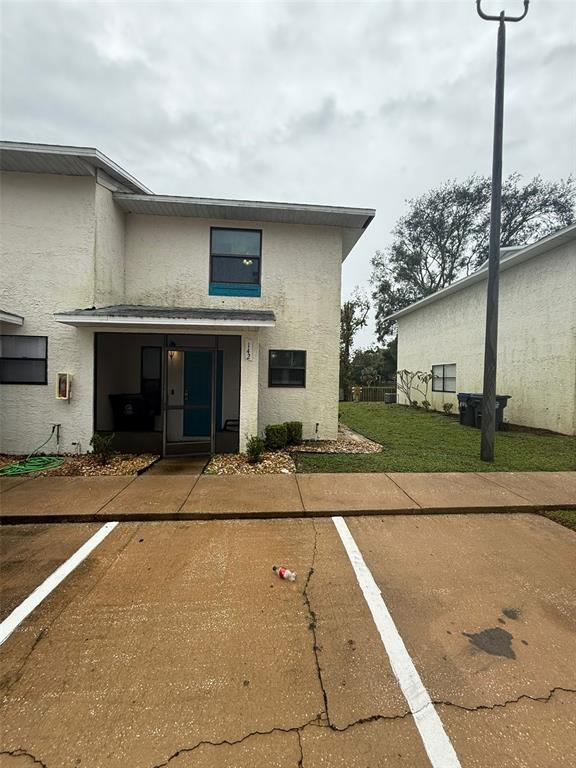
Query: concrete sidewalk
[[207, 497]]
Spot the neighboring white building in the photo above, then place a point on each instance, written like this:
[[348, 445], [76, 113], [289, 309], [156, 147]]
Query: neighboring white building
[[444, 333], [185, 324]]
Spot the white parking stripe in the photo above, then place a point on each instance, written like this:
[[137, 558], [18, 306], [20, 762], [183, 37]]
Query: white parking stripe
[[32, 601], [436, 742]]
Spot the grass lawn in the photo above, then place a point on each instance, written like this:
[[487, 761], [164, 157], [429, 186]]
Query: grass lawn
[[566, 517], [417, 441]]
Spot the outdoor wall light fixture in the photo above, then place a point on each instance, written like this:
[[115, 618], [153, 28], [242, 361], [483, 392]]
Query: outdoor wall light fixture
[[247, 262], [171, 352]]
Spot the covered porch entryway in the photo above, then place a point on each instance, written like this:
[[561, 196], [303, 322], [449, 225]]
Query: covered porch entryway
[[173, 394], [174, 381]]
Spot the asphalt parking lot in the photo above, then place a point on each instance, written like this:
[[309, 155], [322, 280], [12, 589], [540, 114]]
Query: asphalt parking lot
[[173, 643]]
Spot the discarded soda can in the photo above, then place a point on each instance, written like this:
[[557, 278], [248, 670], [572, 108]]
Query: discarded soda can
[[284, 573]]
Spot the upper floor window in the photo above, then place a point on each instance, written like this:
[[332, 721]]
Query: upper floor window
[[235, 261], [444, 378], [23, 359]]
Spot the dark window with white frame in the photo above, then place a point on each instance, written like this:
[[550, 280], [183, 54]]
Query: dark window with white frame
[[287, 368], [444, 378], [235, 256], [23, 359]]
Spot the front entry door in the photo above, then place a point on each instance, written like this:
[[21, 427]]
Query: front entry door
[[197, 414]]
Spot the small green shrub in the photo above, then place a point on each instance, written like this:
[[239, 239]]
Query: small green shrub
[[102, 446], [254, 449], [276, 436], [447, 408], [294, 432], [426, 404]]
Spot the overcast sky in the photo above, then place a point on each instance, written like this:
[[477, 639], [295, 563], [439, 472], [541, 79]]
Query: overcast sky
[[346, 103]]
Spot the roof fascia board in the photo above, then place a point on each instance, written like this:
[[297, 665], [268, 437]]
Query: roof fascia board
[[86, 320], [90, 155], [368, 213]]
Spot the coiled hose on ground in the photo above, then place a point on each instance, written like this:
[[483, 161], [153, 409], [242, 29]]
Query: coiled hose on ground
[[33, 463]]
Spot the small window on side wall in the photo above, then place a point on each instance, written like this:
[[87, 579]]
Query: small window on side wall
[[287, 368], [444, 378], [23, 359]]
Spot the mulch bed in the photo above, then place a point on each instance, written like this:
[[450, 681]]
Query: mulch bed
[[87, 465]]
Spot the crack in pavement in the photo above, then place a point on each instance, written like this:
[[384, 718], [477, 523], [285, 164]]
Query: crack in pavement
[[301, 758], [503, 704], [312, 623], [23, 753], [207, 743]]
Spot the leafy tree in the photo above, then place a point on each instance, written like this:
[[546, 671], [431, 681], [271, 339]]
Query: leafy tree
[[445, 235], [373, 366], [353, 316]]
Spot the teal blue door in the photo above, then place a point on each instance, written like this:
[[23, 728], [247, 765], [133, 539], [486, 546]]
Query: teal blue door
[[197, 394]]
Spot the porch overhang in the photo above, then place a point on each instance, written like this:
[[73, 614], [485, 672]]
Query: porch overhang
[[137, 316], [10, 318]]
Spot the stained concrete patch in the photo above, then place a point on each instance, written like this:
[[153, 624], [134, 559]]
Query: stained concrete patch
[[495, 641], [442, 574], [178, 465]]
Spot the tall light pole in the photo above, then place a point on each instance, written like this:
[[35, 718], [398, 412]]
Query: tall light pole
[[491, 338]]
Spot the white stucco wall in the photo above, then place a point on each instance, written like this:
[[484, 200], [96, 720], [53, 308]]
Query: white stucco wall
[[66, 245], [167, 263], [46, 265], [536, 341], [109, 249]]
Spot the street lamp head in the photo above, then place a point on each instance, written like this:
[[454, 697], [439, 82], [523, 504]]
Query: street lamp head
[[502, 16]]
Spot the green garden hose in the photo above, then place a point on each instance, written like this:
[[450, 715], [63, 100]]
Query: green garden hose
[[33, 463]]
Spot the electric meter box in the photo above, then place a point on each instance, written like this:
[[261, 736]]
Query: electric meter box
[[63, 386]]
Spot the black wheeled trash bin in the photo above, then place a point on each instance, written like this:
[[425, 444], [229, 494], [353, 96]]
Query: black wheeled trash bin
[[467, 408], [470, 406]]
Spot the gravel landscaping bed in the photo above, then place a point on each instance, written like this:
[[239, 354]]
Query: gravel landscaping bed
[[87, 465], [347, 441], [271, 463]]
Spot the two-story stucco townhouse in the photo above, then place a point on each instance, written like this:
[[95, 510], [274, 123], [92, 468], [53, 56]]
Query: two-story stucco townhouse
[[183, 324]]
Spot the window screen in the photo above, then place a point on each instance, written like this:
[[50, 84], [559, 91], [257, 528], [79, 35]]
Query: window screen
[[287, 368], [23, 359]]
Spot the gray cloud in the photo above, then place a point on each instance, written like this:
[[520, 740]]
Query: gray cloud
[[345, 103]]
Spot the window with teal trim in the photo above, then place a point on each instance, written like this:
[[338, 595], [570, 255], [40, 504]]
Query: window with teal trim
[[235, 261]]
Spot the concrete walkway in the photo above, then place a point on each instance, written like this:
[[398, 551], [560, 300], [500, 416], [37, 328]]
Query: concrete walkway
[[206, 497]]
